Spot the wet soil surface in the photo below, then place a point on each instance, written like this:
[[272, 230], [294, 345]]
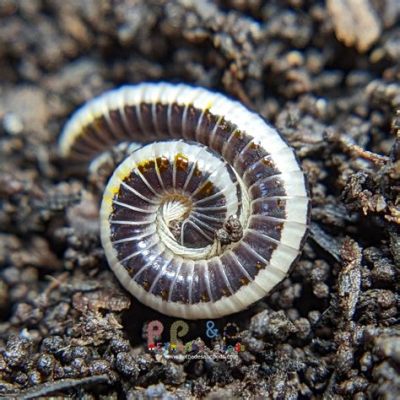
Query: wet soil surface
[[327, 75]]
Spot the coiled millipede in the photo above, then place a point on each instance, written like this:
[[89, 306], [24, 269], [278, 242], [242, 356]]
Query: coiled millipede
[[209, 213]]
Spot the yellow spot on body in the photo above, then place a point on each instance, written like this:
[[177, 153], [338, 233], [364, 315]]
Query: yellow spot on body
[[254, 146], [162, 163], [238, 134], [209, 104], [268, 162], [196, 171], [98, 124], [145, 166], [225, 292], [108, 201], [113, 190], [124, 170], [114, 186], [164, 294], [206, 189], [181, 162], [244, 281], [204, 298]]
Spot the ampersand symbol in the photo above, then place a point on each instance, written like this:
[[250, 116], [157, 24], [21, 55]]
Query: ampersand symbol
[[178, 328], [154, 331], [211, 331]]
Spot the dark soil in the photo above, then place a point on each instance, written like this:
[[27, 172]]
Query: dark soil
[[326, 75]]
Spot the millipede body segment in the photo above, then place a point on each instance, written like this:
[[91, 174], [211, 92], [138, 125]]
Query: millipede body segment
[[209, 212]]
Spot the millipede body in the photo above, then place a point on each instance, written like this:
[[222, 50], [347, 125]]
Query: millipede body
[[208, 212]]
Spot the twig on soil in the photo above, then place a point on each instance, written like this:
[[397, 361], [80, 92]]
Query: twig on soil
[[355, 150], [62, 384]]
